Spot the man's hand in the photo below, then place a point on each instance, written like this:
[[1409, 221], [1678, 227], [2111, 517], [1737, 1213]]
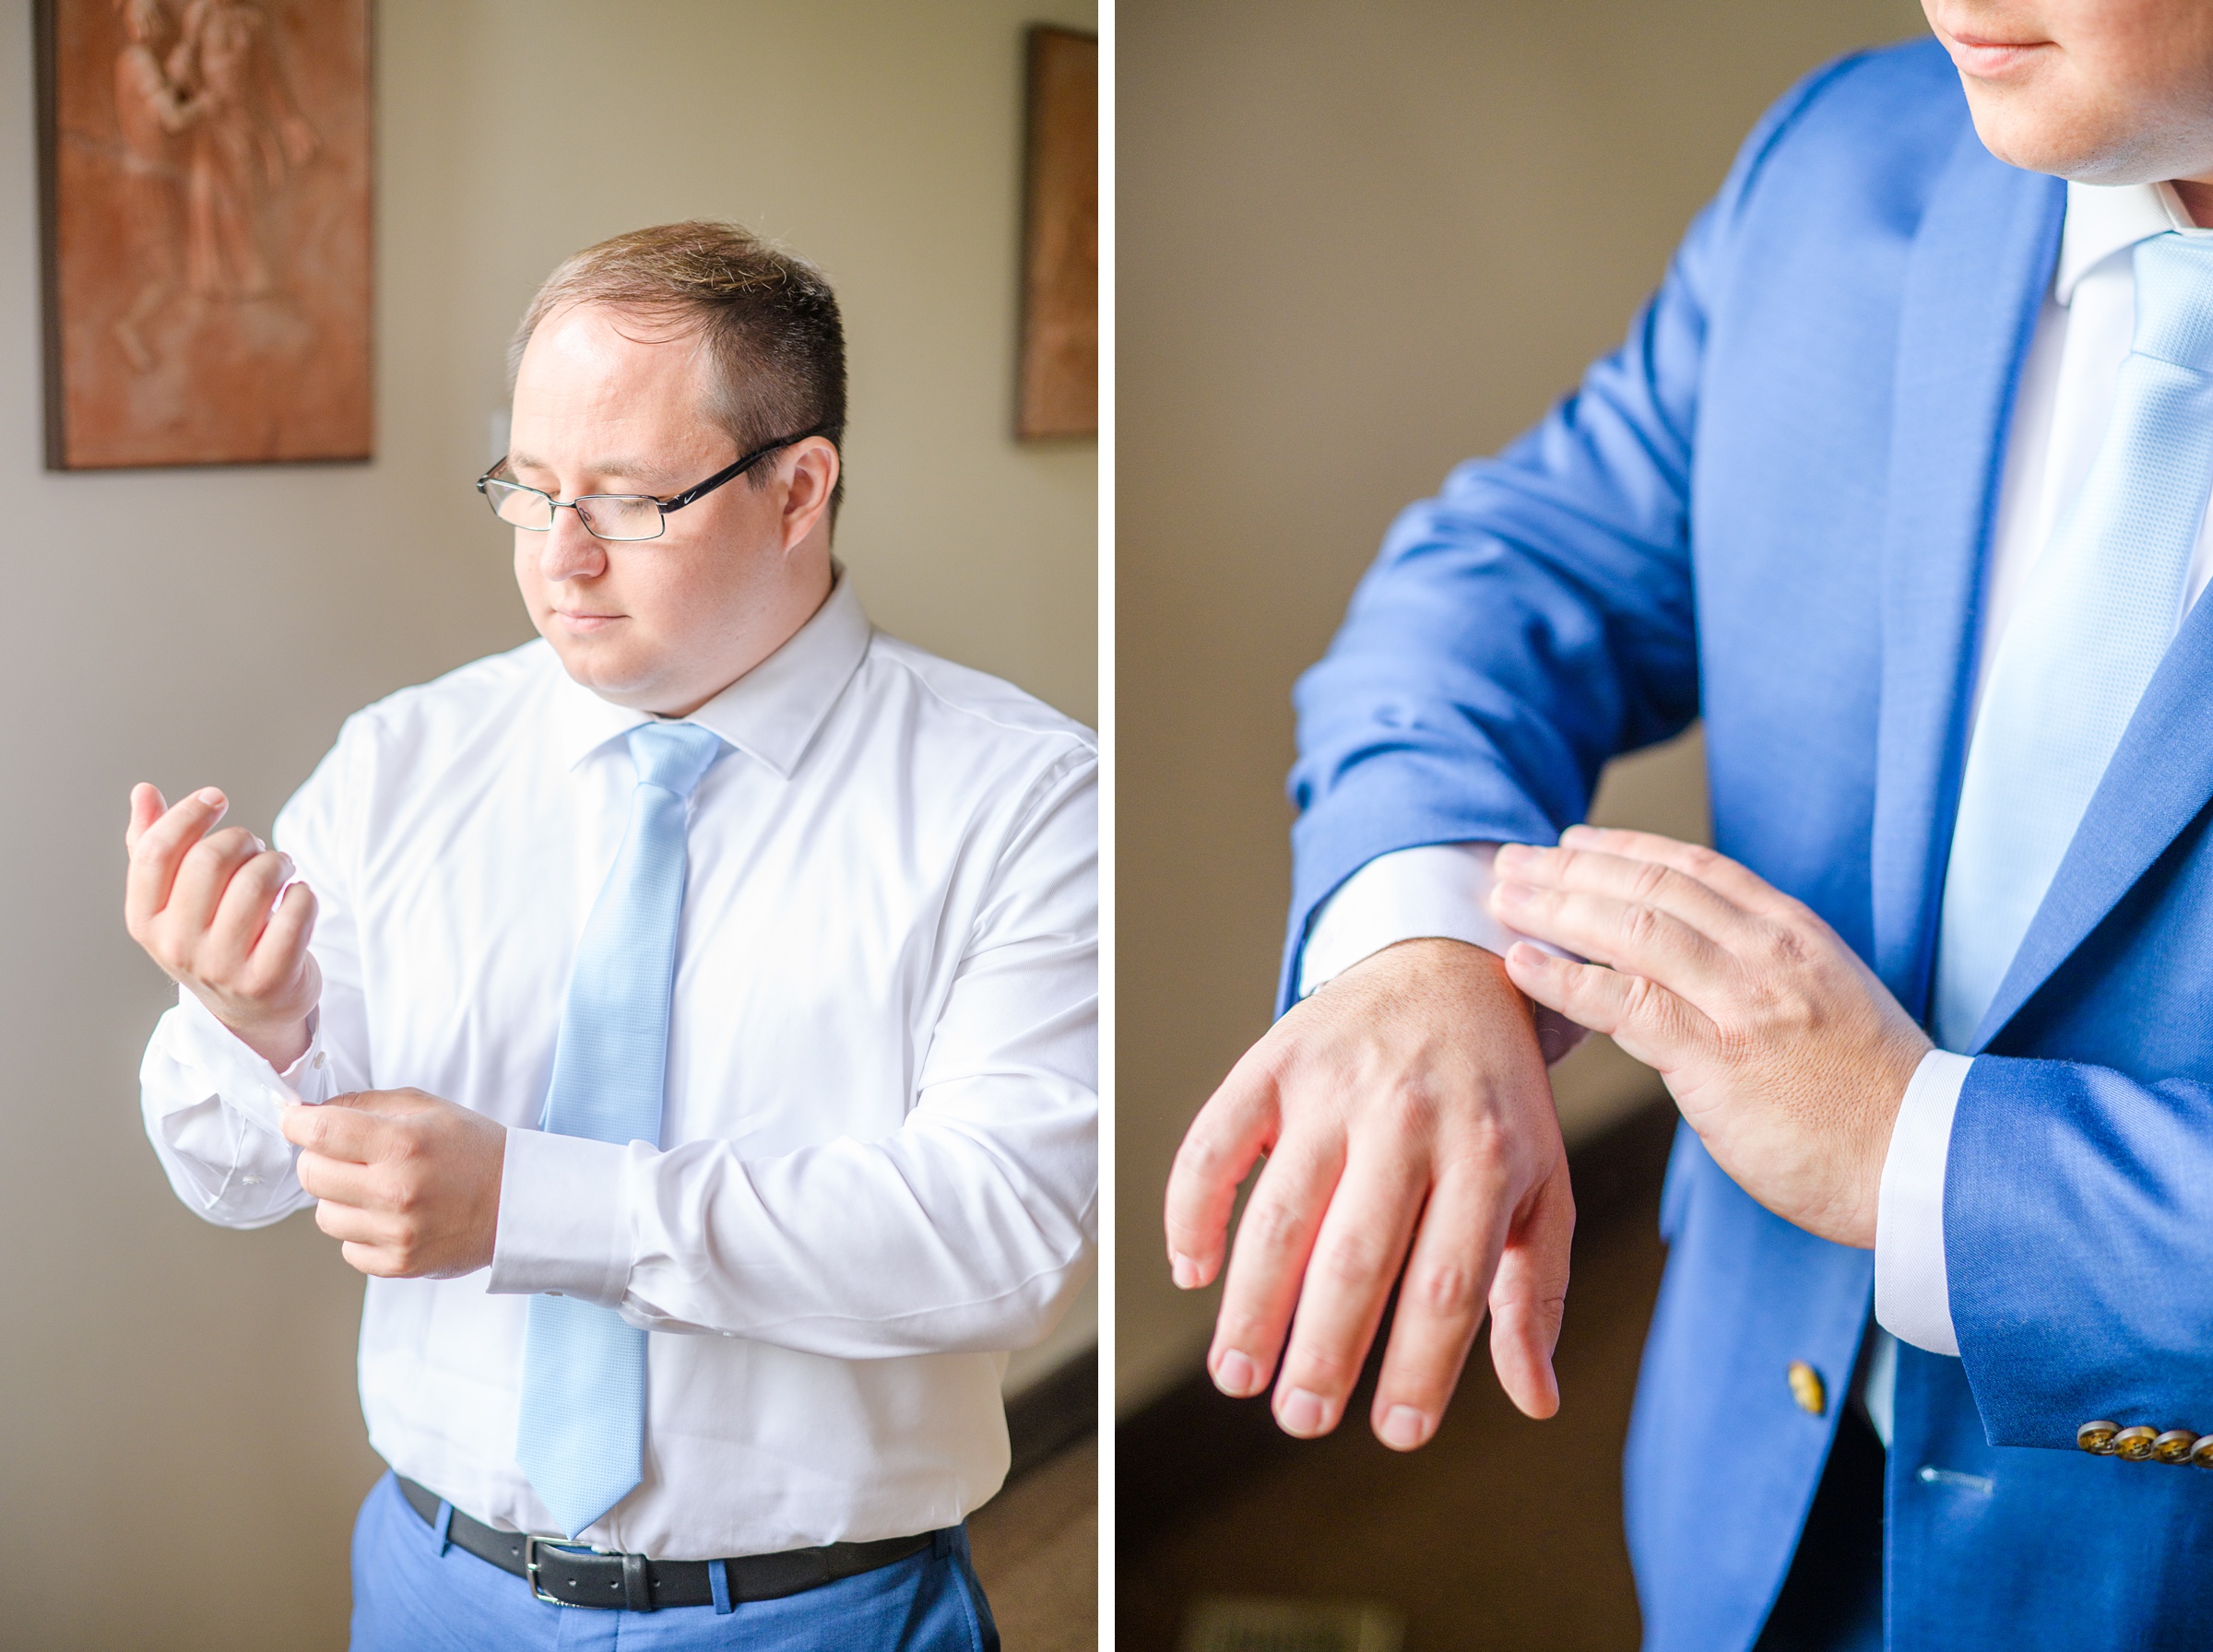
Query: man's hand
[[1785, 1054], [204, 906], [409, 1183], [1406, 1093]]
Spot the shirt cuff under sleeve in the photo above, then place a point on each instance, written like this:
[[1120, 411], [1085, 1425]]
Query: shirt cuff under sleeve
[[242, 1078], [1912, 1298], [1440, 891], [563, 1229]]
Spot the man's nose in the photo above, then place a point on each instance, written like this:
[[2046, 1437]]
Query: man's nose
[[570, 551]]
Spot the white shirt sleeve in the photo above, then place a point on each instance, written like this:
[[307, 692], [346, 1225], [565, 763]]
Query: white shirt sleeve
[[1912, 1300], [1440, 891], [212, 1107], [966, 1229]]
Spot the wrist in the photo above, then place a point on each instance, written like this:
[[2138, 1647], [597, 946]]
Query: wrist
[[280, 1043], [1900, 1059]]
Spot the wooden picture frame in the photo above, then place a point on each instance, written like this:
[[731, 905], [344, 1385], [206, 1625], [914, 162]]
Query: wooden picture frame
[[1058, 394], [204, 221]]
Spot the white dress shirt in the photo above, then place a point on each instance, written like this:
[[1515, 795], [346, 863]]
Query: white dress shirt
[[877, 1168], [2066, 398]]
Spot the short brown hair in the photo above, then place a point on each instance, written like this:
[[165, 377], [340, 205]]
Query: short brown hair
[[768, 319]]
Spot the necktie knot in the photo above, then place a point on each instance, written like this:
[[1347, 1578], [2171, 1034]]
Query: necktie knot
[[2174, 299], [673, 756]]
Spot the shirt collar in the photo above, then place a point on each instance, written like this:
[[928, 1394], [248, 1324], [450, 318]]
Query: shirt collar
[[2103, 220], [771, 713]]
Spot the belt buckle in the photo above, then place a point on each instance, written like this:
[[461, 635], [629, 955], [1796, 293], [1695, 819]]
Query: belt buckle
[[531, 1542]]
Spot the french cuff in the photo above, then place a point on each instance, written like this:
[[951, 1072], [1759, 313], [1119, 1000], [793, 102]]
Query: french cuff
[[233, 1070], [562, 1228], [1912, 1298], [1437, 891]]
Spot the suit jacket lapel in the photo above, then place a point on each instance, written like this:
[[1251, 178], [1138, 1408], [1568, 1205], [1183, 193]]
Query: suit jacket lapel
[[1976, 276], [2161, 776]]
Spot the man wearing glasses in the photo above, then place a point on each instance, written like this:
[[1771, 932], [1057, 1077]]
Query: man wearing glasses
[[694, 1013]]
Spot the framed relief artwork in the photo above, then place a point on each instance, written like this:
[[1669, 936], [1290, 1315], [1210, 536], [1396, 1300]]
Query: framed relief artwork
[[1059, 389], [205, 187]]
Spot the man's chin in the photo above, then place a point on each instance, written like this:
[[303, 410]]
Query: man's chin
[[605, 671]]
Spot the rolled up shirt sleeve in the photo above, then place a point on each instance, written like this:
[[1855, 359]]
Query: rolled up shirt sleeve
[[968, 1228]]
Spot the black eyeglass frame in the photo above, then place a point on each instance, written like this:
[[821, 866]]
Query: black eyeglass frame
[[675, 501]]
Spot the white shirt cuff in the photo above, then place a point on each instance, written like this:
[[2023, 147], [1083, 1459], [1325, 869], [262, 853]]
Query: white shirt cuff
[[233, 1070], [1912, 1298], [1438, 891], [563, 1229]]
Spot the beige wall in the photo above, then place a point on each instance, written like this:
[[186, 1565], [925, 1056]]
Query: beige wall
[[180, 1448], [1359, 239]]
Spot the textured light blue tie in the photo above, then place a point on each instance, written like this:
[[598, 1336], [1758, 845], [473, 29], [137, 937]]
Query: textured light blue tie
[[2101, 608], [582, 1434]]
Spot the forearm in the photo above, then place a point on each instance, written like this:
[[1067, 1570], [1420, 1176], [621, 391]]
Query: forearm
[[934, 1240]]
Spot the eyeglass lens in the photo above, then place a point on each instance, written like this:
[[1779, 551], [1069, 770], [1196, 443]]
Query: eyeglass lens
[[607, 516]]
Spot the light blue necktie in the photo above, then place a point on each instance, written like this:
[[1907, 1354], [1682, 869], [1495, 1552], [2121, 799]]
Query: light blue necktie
[[582, 1434], [2101, 606]]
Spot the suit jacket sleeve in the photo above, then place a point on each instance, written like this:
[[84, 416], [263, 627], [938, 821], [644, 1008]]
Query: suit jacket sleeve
[[1536, 616], [2078, 1234]]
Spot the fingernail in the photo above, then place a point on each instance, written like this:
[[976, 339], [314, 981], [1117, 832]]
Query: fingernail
[[210, 796], [1300, 1413], [1185, 1270], [1403, 1428], [1235, 1376], [1575, 831], [1511, 856], [1511, 894]]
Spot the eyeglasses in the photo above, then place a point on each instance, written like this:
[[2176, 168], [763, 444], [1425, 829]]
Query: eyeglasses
[[610, 515]]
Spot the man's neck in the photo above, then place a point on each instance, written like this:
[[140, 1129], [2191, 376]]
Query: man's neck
[[2197, 195]]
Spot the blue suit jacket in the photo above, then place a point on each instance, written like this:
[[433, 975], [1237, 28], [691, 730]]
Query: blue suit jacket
[[1772, 507]]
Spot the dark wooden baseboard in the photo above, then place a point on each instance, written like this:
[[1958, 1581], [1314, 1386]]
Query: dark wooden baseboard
[[1187, 1446], [1053, 1413]]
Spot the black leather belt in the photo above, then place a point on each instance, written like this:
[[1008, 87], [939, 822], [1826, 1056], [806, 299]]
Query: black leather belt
[[570, 1577]]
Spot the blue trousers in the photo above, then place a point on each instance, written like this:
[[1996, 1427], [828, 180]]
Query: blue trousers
[[409, 1597]]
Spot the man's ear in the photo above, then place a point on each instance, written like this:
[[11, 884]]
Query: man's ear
[[811, 473]]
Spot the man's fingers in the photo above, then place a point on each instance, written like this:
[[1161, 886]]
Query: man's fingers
[[148, 806], [1529, 1297], [342, 1181], [283, 938], [161, 847], [243, 910], [1440, 1307], [335, 1131], [1654, 883], [377, 1232], [1629, 935], [204, 877], [1747, 887], [1649, 1022], [1236, 1126], [1276, 1235], [1355, 1256]]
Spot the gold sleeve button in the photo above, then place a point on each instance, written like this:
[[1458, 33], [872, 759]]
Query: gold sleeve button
[[2134, 1445], [2173, 1446], [1807, 1389], [2201, 1451], [2097, 1438]]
